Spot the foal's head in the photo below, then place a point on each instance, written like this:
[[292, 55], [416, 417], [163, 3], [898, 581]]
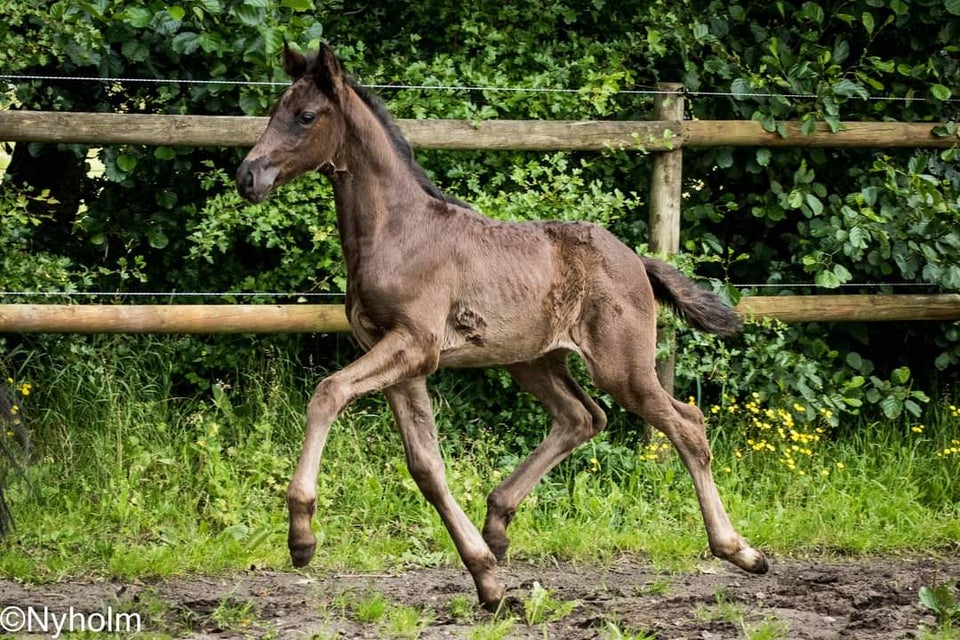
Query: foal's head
[[306, 125]]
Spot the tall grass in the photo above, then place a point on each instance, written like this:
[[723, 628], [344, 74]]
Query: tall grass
[[129, 479]]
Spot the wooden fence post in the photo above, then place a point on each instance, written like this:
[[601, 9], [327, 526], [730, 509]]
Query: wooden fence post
[[665, 195]]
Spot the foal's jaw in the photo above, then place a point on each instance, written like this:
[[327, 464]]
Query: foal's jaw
[[257, 178]]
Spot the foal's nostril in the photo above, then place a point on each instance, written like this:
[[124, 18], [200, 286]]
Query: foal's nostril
[[256, 178], [246, 180]]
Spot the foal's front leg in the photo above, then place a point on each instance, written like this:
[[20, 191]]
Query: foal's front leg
[[412, 409], [396, 357]]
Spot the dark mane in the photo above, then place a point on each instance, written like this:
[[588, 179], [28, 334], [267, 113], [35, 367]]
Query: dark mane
[[400, 144]]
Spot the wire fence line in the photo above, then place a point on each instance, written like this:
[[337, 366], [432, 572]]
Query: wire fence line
[[16, 78]]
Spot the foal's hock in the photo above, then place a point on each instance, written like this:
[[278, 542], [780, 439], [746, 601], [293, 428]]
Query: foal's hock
[[433, 283]]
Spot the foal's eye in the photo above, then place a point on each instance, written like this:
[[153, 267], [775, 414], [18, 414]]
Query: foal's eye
[[307, 117]]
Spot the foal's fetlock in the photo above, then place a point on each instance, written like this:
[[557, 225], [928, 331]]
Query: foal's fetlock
[[495, 527]]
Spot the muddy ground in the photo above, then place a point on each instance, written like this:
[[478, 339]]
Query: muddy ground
[[812, 599]]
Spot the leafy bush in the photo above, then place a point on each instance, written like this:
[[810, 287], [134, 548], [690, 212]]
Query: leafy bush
[[798, 219]]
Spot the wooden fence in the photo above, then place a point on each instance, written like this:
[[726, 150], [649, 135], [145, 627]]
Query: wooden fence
[[665, 138]]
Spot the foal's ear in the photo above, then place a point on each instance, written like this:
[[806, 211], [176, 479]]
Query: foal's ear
[[294, 62], [328, 72]]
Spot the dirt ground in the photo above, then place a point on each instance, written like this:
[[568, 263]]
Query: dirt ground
[[815, 599]]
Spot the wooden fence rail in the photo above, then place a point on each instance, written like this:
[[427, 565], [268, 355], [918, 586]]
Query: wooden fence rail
[[329, 318], [521, 135]]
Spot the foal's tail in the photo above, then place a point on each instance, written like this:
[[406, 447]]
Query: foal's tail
[[700, 308]]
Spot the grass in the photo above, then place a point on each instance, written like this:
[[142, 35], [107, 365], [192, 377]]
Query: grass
[[129, 480]]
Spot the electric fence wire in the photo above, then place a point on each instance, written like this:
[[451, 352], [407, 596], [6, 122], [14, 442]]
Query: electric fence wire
[[18, 78]]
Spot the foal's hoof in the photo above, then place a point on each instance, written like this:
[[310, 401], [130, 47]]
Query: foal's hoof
[[494, 600], [497, 542], [302, 554], [749, 559]]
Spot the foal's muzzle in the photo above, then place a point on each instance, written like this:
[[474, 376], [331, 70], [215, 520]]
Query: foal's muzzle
[[256, 178]]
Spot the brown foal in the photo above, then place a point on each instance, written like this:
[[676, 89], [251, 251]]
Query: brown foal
[[433, 283]]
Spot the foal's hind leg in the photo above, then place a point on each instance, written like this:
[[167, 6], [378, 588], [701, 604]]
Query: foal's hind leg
[[576, 418], [622, 360], [411, 407]]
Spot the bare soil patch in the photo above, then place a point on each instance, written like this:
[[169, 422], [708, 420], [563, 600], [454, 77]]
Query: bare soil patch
[[870, 599]]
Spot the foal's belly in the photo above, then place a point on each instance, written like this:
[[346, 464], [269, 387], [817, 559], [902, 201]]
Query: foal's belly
[[471, 340]]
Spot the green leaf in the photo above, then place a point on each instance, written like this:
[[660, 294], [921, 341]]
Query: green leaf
[[251, 103], [164, 153], [891, 406], [940, 600], [849, 88], [297, 5], [176, 12], [185, 43], [157, 239], [868, 23], [724, 158], [250, 16], [126, 162], [912, 408], [814, 203], [210, 42], [211, 6], [740, 88], [763, 156], [858, 237], [855, 361], [167, 198], [841, 51], [138, 17], [842, 273], [942, 361], [826, 279], [900, 375], [952, 6], [795, 199], [940, 92]]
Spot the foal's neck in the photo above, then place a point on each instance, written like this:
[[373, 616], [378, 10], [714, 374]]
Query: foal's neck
[[370, 176], [376, 192]]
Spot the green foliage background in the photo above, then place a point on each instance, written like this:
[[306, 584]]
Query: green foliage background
[[131, 219]]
